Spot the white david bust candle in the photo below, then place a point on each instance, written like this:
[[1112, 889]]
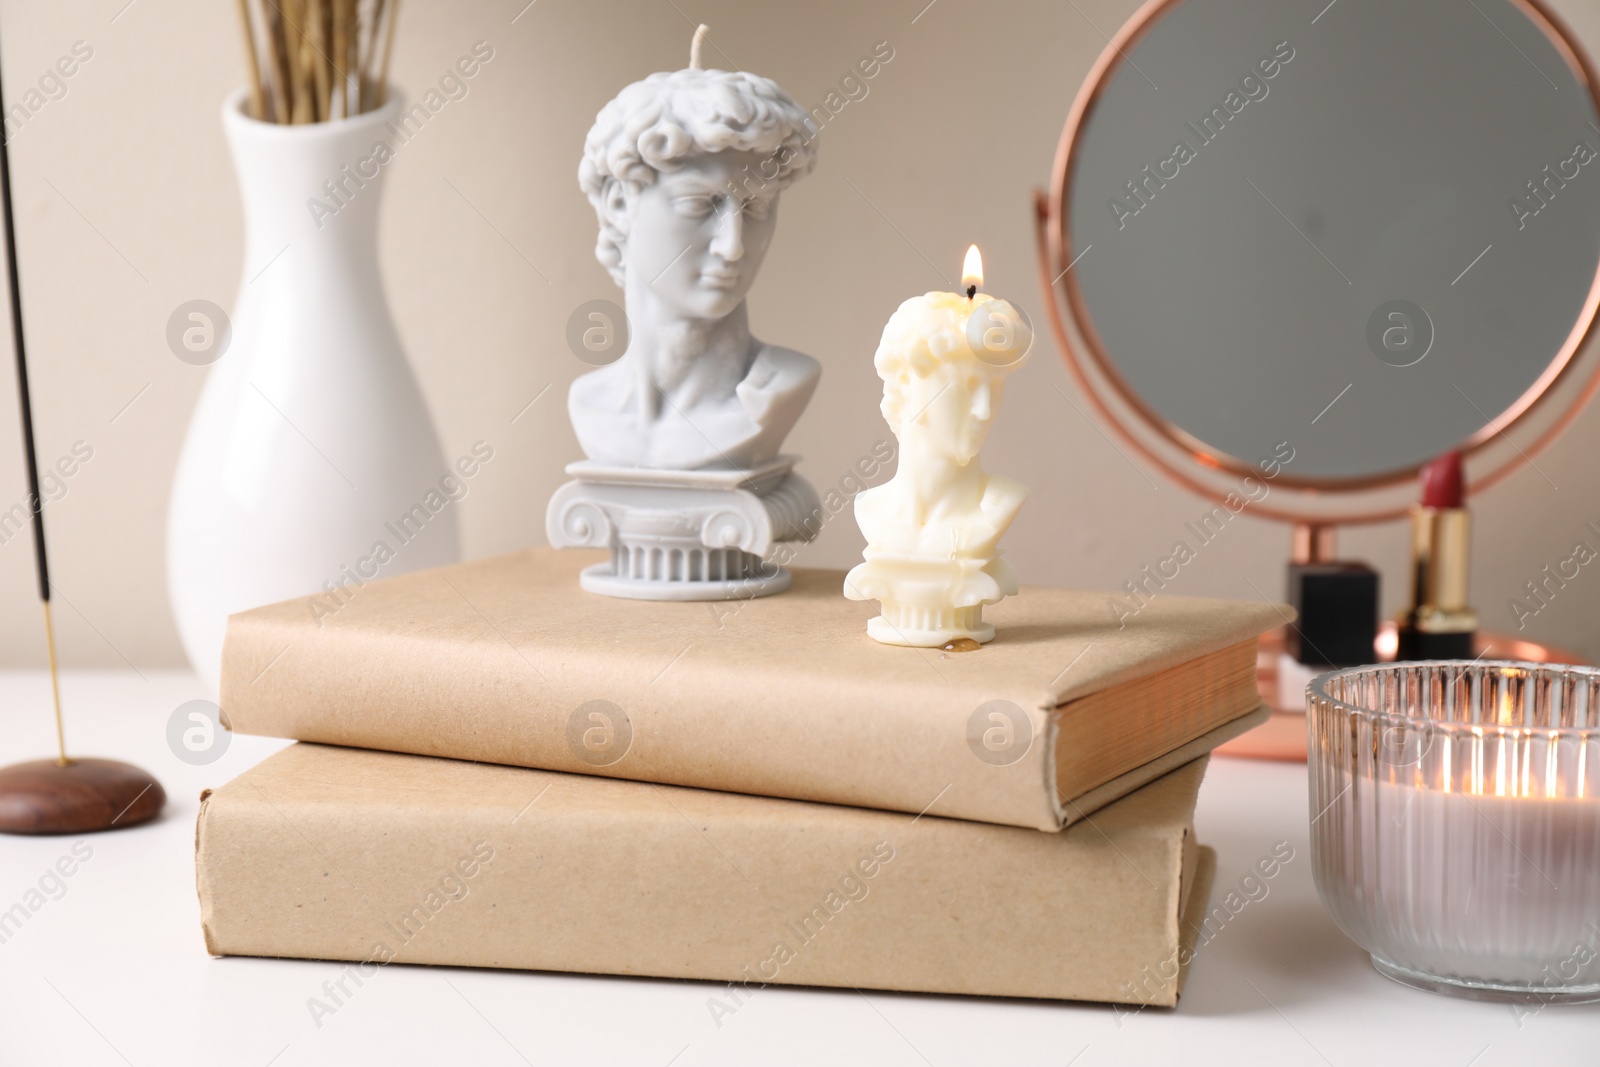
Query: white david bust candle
[[932, 559]]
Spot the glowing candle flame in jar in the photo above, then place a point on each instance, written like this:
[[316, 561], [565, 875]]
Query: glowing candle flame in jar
[[1455, 823]]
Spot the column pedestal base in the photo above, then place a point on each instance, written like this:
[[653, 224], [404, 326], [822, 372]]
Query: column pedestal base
[[683, 535]]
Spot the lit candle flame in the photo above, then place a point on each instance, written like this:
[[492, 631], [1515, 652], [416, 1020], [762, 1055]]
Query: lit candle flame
[[972, 269]]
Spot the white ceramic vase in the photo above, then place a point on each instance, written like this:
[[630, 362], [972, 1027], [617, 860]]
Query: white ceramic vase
[[311, 444]]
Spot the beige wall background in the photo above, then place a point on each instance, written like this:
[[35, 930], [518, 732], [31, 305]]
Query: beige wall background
[[127, 207]]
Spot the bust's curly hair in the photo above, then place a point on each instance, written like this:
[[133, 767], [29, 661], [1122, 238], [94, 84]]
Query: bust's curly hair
[[654, 124], [927, 335]]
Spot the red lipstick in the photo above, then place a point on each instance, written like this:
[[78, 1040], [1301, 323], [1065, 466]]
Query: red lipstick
[[1439, 624], [1442, 483]]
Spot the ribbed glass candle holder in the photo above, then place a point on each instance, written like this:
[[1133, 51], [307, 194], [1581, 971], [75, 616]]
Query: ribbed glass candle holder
[[1455, 823]]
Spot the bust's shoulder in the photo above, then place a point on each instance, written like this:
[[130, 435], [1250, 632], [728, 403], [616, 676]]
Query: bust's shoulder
[[603, 389], [787, 362], [873, 497], [875, 510], [1003, 494]]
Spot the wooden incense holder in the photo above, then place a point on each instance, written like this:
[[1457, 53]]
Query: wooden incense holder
[[82, 796], [59, 796]]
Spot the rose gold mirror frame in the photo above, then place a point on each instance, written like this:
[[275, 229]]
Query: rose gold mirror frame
[[1313, 527]]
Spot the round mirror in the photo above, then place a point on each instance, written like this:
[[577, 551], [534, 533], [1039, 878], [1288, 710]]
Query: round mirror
[[1368, 229]]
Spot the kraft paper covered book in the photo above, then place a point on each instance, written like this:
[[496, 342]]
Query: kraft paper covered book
[[507, 660], [372, 857]]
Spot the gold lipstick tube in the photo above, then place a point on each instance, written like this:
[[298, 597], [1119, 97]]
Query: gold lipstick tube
[[1439, 624]]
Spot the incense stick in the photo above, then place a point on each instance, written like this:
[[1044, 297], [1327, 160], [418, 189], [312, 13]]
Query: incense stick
[[342, 82], [24, 397], [317, 20], [257, 98], [367, 84], [273, 21], [316, 60], [388, 50]]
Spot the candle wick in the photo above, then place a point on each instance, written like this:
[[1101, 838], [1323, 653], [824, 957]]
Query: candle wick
[[700, 33], [972, 291]]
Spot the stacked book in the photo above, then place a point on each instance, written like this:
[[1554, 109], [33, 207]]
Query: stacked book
[[498, 769]]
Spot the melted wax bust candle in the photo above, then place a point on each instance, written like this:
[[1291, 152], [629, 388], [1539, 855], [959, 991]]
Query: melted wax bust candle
[[932, 559]]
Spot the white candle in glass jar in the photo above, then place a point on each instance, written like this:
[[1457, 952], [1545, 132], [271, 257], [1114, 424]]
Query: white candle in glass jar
[[1479, 864]]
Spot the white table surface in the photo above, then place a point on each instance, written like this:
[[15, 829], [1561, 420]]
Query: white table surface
[[114, 970]]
